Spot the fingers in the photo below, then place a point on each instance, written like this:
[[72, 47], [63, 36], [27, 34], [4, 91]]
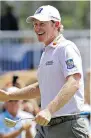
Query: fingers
[[43, 117], [41, 120]]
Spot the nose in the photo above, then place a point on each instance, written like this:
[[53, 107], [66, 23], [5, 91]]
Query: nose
[[37, 27]]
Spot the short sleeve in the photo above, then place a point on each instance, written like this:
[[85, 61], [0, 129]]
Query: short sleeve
[[70, 60]]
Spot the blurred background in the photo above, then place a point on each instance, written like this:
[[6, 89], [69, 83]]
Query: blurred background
[[20, 51], [19, 48]]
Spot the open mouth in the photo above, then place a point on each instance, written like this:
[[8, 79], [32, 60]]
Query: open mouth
[[41, 33]]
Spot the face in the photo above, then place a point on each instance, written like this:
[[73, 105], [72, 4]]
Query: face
[[45, 31], [12, 107]]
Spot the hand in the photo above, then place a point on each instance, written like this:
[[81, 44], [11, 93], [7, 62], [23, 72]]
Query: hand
[[43, 117], [26, 126]]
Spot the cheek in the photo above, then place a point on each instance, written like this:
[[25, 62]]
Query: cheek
[[15, 105], [51, 29], [50, 32]]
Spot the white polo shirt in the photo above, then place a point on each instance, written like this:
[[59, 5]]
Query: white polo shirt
[[60, 59]]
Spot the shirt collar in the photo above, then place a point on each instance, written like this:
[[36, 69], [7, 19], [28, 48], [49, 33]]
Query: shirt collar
[[8, 115], [56, 41]]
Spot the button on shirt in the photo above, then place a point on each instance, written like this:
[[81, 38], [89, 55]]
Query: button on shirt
[[60, 59]]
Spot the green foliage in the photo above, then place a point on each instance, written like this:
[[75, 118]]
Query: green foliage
[[75, 14]]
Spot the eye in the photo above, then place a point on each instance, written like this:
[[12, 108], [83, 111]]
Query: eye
[[34, 24], [42, 24]]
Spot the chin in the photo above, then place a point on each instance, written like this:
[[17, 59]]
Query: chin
[[41, 40]]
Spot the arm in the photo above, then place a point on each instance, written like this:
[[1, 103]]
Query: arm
[[65, 94], [28, 92]]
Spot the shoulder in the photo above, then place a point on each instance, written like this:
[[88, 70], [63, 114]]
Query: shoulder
[[2, 125], [67, 45], [2, 116]]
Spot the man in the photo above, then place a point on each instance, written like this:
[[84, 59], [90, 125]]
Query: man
[[60, 80], [12, 111], [9, 21]]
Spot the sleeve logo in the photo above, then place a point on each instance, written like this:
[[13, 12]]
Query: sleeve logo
[[70, 64]]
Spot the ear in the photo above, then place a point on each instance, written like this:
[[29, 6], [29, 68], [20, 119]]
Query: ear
[[57, 24]]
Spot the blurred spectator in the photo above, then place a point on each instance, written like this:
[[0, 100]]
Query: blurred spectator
[[14, 82], [8, 20], [87, 87], [30, 106], [13, 111], [1, 106], [87, 106]]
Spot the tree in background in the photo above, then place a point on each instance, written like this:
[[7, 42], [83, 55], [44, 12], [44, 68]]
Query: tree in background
[[75, 14]]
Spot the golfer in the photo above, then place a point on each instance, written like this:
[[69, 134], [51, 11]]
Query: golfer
[[60, 80]]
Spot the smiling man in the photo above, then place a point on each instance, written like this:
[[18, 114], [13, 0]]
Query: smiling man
[[60, 80]]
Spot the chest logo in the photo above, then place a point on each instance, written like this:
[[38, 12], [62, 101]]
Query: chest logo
[[49, 62]]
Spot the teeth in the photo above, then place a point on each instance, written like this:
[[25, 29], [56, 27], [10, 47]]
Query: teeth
[[40, 33]]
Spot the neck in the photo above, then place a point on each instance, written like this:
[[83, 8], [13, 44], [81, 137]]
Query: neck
[[52, 38], [13, 114]]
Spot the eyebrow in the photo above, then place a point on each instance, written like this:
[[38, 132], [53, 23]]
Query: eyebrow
[[53, 21]]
